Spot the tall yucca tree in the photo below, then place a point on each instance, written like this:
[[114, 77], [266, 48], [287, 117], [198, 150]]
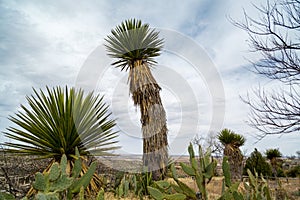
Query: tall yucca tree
[[135, 45], [59, 120], [232, 143], [273, 155]]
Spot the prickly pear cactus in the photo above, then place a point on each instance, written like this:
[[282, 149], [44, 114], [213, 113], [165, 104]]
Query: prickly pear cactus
[[202, 172], [255, 189], [57, 182], [202, 169]]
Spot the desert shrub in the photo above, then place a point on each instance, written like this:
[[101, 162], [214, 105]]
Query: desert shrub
[[6, 196], [294, 172], [280, 172], [257, 163]]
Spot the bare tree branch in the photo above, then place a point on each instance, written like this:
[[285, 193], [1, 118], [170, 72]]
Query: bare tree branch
[[275, 112], [275, 35], [210, 141]]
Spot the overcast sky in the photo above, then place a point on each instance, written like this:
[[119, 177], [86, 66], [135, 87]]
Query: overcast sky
[[50, 43]]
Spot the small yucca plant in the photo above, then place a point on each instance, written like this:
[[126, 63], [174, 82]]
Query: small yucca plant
[[59, 120], [232, 142]]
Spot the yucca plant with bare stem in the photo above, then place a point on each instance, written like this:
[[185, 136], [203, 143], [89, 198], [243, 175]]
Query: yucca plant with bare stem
[[57, 121], [232, 143], [135, 45], [273, 155]]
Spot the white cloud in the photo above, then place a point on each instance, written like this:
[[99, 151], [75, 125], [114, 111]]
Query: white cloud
[[48, 43]]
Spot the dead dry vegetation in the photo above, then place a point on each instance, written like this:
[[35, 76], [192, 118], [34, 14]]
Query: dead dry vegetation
[[17, 174]]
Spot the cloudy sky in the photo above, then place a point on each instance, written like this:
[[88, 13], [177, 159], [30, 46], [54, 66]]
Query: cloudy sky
[[203, 69]]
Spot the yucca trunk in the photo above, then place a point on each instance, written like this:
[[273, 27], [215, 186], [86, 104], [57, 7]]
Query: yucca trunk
[[273, 162], [145, 94], [235, 159]]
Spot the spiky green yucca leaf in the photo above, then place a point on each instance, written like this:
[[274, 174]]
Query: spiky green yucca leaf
[[273, 153], [228, 137], [59, 120], [131, 41]]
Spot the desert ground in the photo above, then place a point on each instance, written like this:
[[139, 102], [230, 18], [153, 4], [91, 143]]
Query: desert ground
[[19, 173]]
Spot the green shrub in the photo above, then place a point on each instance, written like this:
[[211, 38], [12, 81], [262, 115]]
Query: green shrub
[[6, 196], [294, 172], [257, 163], [280, 172]]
